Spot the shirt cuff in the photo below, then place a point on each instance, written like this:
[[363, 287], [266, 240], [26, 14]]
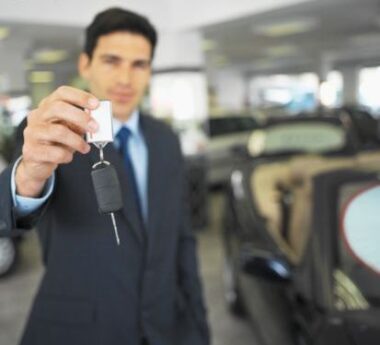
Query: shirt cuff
[[24, 205]]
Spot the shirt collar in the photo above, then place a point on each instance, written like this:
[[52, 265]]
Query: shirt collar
[[132, 124]]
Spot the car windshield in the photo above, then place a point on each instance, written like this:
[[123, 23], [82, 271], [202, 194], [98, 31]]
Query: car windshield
[[357, 279], [230, 125], [307, 137]]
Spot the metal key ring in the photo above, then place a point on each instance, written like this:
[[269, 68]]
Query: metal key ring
[[99, 163]]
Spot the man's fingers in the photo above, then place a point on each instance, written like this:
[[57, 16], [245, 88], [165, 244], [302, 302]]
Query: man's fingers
[[75, 97], [75, 118], [53, 154], [60, 134], [67, 105]]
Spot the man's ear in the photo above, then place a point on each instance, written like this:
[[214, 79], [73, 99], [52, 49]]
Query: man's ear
[[83, 65]]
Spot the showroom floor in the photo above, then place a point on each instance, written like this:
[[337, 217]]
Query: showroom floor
[[17, 290]]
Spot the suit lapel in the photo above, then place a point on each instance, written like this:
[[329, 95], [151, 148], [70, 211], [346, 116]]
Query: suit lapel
[[129, 210]]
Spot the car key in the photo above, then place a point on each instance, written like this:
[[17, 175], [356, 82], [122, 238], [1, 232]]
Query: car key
[[104, 177], [107, 191]]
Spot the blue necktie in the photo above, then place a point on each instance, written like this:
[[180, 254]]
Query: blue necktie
[[123, 136]]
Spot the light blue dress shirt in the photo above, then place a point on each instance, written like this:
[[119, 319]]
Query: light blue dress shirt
[[139, 155]]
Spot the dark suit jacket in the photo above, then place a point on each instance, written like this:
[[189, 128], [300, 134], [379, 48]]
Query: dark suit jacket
[[95, 292]]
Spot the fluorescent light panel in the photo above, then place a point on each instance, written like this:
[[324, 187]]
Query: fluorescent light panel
[[286, 28], [208, 45], [4, 32], [41, 77], [50, 56], [281, 50]]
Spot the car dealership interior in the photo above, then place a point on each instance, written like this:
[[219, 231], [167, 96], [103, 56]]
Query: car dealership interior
[[277, 109]]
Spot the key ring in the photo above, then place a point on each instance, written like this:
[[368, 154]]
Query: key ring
[[100, 163], [101, 146]]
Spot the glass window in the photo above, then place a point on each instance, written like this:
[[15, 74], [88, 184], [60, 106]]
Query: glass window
[[230, 125]]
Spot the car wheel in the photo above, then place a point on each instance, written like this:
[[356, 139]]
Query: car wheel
[[8, 255]]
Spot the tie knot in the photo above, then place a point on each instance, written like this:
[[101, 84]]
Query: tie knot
[[123, 135]]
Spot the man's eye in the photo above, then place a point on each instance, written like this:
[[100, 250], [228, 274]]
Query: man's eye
[[141, 64], [110, 61]]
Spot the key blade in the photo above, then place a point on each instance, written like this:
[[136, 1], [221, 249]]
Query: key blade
[[115, 228]]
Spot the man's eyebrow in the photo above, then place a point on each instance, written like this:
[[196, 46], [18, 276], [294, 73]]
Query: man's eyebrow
[[117, 57], [110, 56]]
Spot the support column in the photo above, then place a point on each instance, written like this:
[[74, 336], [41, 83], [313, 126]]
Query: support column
[[12, 66], [178, 89], [350, 84], [230, 90]]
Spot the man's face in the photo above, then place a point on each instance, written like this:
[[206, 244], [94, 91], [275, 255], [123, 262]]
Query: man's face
[[119, 70]]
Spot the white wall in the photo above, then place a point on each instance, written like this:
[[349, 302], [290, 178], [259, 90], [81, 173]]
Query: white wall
[[179, 49]]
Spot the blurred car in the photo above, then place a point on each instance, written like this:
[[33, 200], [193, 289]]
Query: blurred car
[[366, 126], [8, 246], [227, 136], [286, 263], [193, 142]]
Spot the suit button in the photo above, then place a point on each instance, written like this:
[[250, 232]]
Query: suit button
[[3, 225]]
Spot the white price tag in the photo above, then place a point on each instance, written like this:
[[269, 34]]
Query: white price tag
[[103, 116]]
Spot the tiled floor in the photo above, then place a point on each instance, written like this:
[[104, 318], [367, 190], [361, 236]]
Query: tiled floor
[[17, 290]]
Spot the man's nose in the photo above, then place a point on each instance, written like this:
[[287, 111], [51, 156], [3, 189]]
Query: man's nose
[[125, 75]]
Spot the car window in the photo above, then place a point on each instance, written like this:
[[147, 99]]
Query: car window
[[308, 137], [230, 125]]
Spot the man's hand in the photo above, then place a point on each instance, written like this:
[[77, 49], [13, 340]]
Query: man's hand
[[54, 132]]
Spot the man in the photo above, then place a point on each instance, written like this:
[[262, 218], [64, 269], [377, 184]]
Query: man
[[147, 290]]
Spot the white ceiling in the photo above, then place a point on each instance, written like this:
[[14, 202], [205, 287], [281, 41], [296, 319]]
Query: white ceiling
[[72, 12], [229, 23], [58, 24], [166, 14], [345, 31]]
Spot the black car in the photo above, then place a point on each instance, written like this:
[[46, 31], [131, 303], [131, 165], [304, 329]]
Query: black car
[[226, 135], [287, 266], [8, 246]]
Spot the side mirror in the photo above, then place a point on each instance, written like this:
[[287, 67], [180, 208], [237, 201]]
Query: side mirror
[[265, 265]]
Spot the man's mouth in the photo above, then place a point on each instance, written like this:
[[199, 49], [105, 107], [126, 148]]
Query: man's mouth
[[121, 97]]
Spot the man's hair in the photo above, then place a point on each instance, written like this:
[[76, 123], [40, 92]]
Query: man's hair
[[117, 19]]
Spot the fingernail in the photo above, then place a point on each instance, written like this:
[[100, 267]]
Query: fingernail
[[92, 126], [93, 103], [87, 148]]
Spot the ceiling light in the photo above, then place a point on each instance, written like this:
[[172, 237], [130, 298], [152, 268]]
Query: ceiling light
[[281, 50], [41, 77], [220, 61], [208, 45], [4, 32], [286, 28], [264, 64], [50, 56]]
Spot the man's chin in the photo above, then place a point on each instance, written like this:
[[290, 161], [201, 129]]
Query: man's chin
[[122, 114]]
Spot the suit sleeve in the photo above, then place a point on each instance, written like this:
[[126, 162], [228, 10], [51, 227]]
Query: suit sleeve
[[25, 205], [189, 279]]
